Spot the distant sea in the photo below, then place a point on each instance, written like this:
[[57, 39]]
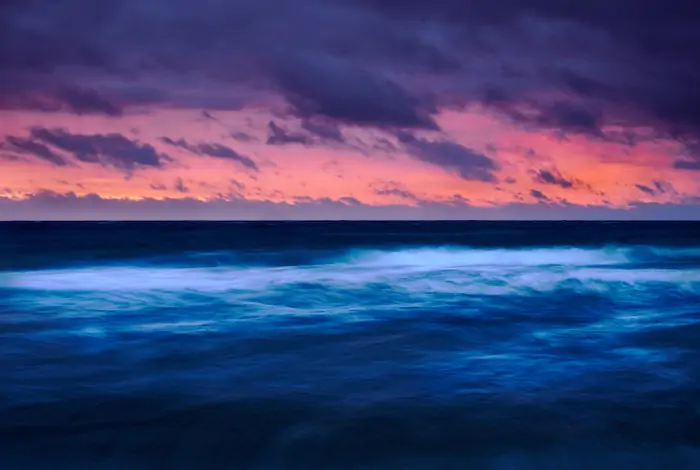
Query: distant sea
[[350, 345]]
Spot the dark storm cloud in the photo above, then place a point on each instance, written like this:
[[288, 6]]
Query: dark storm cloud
[[70, 99], [325, 58], [626, 62], [332, 87], [105, 149], [56, 93], [568, 117], [565, 117], [326, 131], [87, 101], [467, 163], [212, 150], [560, 65]]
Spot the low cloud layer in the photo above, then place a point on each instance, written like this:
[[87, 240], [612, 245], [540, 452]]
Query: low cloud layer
[[48, 205]]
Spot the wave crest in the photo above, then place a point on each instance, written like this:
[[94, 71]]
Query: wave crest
[[424, 270]]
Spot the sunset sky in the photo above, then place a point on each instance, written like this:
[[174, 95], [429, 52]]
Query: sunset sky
[[369, 109]]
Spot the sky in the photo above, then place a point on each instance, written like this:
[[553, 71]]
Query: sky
[[349, 109]]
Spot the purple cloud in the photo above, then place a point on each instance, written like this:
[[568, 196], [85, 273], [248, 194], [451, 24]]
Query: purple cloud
[[113, 150], [29, 146], [280, 136], [47, 205], [467, 163], [562, 67], [212, 150], [539, 195]]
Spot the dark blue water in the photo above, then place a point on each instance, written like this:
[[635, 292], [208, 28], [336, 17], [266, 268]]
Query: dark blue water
[[350, 346]]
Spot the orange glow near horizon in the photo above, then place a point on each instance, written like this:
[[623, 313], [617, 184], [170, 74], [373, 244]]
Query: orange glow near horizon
[[602, 173]]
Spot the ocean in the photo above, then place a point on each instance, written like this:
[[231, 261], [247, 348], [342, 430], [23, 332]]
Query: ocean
[[350, 345]]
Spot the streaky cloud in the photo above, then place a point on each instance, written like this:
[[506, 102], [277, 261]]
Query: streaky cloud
[[212, 150]]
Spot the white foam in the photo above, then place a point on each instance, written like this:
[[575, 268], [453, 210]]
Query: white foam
[[460, 271], [457, 258]]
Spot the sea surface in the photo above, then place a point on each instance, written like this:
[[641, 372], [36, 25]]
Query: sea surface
[[345, 345]]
